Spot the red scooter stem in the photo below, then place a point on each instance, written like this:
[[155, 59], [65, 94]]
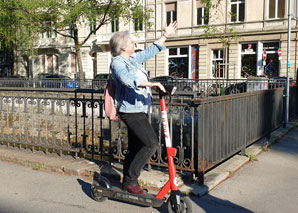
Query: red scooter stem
[[172, 183]]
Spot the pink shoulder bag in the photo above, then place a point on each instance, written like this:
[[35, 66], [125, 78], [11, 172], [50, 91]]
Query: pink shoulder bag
[[109, 102]]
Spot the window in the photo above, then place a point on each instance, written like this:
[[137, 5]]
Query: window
[[92, 26], [276, 8], [178, 62], [218, 68], [49, 32], [138, 24], [248, 59], [271, 67], [237, 10], [171, 12], [138, 20], [115, 25], [202, 14]]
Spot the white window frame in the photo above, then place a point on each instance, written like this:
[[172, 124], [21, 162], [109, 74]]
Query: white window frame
[[111, 23], [221, 57], [238, 2], [171, 12], [276, 10], [49, 34], [203, 16], [249, 53], [178, 55], [132, 21]]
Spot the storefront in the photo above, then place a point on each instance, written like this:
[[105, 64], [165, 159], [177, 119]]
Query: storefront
[[272, 62], [259, 59]]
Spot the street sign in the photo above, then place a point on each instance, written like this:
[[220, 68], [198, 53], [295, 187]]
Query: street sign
[[289, 63]]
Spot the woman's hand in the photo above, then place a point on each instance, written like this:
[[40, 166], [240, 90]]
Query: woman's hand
[[158, 85], [170, 29]]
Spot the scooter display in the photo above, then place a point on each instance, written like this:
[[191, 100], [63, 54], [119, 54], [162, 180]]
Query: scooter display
[[102, 189]]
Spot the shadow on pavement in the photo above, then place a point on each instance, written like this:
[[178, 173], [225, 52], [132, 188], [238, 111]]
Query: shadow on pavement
[[86, 187], [209, 203]]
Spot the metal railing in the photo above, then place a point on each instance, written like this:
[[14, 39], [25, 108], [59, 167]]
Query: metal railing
[[227, 125], [204, 131], [202, 87]]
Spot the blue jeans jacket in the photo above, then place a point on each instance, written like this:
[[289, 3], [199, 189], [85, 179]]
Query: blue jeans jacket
[[128, 74]]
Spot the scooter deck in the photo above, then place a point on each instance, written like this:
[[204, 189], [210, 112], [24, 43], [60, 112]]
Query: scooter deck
[[118, 194]]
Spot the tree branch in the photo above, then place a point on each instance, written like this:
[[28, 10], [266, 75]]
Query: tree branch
[[65, 35], [101, 23]]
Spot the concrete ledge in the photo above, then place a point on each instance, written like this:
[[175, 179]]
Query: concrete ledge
[[50, 162]]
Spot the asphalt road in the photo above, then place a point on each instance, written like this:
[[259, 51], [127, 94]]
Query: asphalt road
[[25, 190], [268, 185]]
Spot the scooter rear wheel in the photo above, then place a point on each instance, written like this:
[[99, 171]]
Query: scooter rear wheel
[[185, 206]]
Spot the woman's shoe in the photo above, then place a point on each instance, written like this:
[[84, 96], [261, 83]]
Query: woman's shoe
[[135, 189]]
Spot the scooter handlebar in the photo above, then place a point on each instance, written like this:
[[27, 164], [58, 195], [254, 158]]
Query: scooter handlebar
[[170, 90]]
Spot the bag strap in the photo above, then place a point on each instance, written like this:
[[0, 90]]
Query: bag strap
[[109, 79]]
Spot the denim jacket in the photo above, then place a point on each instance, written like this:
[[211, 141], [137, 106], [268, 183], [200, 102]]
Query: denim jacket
[[128, 74]]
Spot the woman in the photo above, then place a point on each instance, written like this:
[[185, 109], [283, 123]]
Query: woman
[[133, 101]]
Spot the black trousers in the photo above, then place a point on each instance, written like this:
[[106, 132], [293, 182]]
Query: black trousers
[[142, 144]]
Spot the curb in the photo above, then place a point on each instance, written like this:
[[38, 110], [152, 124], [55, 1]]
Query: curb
[[37, 160]]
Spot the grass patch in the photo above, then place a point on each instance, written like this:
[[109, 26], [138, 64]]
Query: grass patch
[[252, 157], [38, 167]]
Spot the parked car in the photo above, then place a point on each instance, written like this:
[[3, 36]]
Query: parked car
[[102, 76], [236, 88], [100, 80], [40, 76], [181, 84]]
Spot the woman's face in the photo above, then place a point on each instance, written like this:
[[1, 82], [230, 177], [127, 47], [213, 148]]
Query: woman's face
[[130, 49]]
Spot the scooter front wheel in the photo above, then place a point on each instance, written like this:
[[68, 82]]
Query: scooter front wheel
[[185, 206], [97, 185]]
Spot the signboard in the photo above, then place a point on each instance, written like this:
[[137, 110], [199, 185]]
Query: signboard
[[264, 55], [279, 54]]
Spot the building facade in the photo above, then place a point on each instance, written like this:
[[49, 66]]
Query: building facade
[[236, 39]]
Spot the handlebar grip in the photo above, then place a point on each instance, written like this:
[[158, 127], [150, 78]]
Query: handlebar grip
[[170, 90]]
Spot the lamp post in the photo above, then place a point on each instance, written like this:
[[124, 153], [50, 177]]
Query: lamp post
[[288, 66]]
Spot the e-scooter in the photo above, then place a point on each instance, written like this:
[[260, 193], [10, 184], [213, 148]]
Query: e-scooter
[[102, 189]]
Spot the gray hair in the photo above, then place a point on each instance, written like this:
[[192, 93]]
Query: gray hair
[[119, 41]]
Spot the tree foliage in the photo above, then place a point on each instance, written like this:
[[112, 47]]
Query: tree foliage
[[18, 23], [225, 34], [64, 17], [23, 20]]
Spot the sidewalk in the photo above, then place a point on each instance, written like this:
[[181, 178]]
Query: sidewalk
[[153, 180]]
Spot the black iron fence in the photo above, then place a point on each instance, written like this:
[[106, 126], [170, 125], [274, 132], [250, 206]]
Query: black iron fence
[[202, 87], [205, 131]]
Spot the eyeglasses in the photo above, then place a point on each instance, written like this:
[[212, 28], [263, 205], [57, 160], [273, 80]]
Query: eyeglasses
[[132, 42]]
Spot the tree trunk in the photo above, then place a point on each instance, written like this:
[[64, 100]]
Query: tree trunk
[[14, 66], [80, 65]]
